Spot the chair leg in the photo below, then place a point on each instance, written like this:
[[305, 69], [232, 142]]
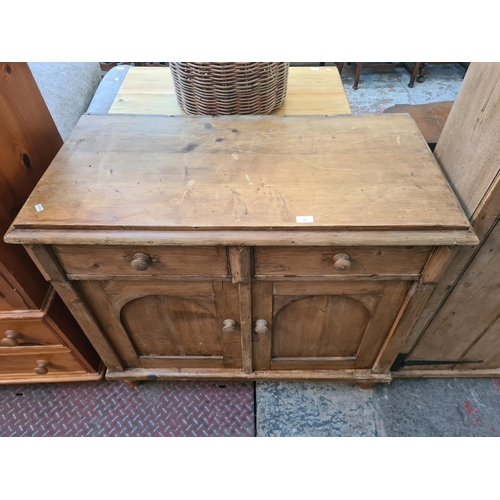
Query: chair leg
[[340, 67], [421, 73], [359, 67], [416, 67]]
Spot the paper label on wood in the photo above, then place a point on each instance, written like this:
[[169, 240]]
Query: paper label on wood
[[304, 218]]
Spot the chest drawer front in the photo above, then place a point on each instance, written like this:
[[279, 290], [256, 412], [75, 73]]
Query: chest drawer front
[[142, 260], [337, 261], [46, 361], [19, 332]]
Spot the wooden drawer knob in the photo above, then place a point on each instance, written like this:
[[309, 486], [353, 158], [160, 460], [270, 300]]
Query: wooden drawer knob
[[141, 261], [229, 326], [261, 326], [11, 338], [341, 262], [42, 367]]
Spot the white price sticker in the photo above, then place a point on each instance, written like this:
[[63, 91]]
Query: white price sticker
[[304, 219]]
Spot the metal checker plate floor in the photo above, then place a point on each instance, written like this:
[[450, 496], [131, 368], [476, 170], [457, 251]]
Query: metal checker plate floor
[[114, 409]]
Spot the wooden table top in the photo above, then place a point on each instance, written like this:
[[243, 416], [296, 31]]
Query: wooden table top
[[310, 91], [251, 173]]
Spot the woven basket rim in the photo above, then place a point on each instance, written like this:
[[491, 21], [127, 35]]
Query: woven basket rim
[[229, 88]]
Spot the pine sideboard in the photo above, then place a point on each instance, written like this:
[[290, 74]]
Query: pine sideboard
[[244, 247]]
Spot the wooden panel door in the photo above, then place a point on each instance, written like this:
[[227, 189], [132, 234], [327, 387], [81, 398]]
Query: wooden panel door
[[169, 324], [323, 325], [461, 328]]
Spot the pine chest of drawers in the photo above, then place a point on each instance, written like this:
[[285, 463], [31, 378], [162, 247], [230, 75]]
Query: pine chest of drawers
[[257, 247]]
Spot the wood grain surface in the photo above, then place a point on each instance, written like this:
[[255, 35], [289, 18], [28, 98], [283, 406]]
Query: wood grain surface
[[313, 261], [17, 361], [458, 323], [348, 172], [310, 91], [429, 117], [227, 374], [296, 238], [29, 140], [30, 313], [34, 332], [468, 149], [204, 261]]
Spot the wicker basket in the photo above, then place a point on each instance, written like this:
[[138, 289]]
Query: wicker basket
[[216, 88]]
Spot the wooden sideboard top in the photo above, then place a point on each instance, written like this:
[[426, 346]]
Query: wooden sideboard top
[[246, 173]]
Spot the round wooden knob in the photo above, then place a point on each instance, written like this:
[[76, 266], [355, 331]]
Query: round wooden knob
[[141, 261], [229, 326], [341, 262], [11, 338], [42, 367], [261, 326]]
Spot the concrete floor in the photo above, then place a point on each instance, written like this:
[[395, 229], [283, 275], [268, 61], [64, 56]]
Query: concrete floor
[[419, 407], [430, 407]]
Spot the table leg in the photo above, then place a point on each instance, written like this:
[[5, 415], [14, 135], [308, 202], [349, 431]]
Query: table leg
[[359, 67]]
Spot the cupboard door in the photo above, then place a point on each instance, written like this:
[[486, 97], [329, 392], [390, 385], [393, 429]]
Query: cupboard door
[[163, 324], [323, 325]]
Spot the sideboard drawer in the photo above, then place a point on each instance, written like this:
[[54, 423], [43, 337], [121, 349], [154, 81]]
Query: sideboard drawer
[[142, 260], [350, 261], [19, 332]]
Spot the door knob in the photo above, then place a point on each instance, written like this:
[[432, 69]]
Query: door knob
[[42, 367], [341, 262], [141, 261], [229, 326], [11, 338], [261, 326]]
